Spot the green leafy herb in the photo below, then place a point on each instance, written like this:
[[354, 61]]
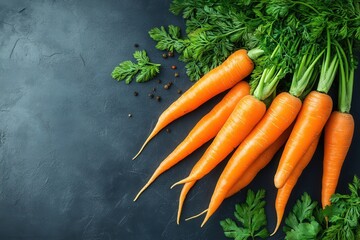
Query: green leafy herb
[[144, 70], [301, 224], [168, 40], [344, 214], [251, 216], [307, 219]]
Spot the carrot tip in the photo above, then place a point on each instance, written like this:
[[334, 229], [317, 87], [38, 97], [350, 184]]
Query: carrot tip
[[205, 219], [277, 227], [142, 147], [177, 183], [137, 196], [140, 192]]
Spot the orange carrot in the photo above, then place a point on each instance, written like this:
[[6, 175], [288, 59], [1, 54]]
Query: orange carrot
[[247, 113], [234, 69], [314, 113], [339, 131], [259, 163], [281, 113], [283, 193], [203, 131], [248, 176]]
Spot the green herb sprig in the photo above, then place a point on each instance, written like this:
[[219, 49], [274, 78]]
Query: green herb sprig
[[251, 216], [143, 70]]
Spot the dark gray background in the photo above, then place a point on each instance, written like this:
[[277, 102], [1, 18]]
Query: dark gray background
[[66, 141]]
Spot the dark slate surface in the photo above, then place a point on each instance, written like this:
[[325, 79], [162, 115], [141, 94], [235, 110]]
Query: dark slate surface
[[66, 140]]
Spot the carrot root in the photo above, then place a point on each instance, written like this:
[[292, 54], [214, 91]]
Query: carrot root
[[312, 118], [280, 115], [234, 69], [339, 131]]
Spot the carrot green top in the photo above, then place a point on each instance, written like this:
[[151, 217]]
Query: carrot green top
[[346, 76]]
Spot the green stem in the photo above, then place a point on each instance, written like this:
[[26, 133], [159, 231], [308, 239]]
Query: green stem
[[307, 5], [255, 53], [346, 77], [304, 73], [328, 69]]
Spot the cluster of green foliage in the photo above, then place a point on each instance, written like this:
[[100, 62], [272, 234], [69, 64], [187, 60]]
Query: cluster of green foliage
[[306, 221]]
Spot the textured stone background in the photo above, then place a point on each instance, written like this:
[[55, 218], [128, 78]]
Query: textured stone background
[[66, 141]]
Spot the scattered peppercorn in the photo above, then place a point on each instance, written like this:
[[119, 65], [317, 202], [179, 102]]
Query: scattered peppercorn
[[151, 95], [176, 74], [158, 98], [164, 55], [136, 93], [154, 89], [129, 115], [168, 130], [166, 86], [159, 81], [136, 45], [179, 91], [173, 67], [169, 83], [170, 54]]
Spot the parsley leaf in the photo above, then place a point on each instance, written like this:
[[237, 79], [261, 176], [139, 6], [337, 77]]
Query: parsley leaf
[[344, 214], [251, 216], [301, 222], [168, 40], [144, 70]]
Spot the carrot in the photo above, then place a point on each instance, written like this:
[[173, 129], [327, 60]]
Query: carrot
[[244, 180], [248, 176], [247, 113], [314, 113], [259, 163], [281, 113], [312, 118], [339, 129], [203, 131], [242, 120], [283, 193], [234, 69]]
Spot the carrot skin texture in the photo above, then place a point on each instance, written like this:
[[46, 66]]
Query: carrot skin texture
[[284, 193], [259, 164], [234, 69], [280, 115], [203, 131], [339, 131], [312, 118], [247, 113]]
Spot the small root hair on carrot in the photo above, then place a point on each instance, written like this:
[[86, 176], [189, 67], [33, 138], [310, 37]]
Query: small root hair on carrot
[[196, 216]]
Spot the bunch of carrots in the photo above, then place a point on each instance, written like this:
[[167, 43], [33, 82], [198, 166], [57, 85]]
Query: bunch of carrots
[[284, 104]]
